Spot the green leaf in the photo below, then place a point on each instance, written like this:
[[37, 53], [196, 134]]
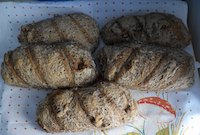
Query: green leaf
[[164, 131], [132, 133]]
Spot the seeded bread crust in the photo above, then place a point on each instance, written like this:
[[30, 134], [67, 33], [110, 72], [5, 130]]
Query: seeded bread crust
[[147, 67], [72, 27], [103, 106], [155, 28], [49, 66]]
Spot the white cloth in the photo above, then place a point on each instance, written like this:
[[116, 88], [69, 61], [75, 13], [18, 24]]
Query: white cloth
[[18, 105]]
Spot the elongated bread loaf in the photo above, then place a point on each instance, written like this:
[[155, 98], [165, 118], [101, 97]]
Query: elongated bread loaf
[[72, 27], [155, 28], [103, 106], [147, 67], [49, 66]]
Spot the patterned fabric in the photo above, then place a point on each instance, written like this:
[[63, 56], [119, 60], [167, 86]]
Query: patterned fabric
[[179, 113]]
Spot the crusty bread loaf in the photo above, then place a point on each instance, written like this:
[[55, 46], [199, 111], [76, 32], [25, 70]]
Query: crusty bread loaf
[[49, 66], [103, 106], [147, 67], [155, 28], [72, 27]]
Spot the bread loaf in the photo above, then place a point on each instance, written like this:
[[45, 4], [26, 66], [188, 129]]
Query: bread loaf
[[155, 28], [102, 107], [147, 67], [49, 66], [72, 27]]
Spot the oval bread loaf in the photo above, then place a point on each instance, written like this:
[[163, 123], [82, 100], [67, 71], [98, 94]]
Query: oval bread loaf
[[72, 27], [49, 66], [155, 28], [147, 67], [102, 107]]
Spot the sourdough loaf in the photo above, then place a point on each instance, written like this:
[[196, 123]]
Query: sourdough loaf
[[147, 67], [71, 27], [155, 28], [103, 106], [49, 66]]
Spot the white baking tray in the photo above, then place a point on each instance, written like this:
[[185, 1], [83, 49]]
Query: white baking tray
[[18, 105]]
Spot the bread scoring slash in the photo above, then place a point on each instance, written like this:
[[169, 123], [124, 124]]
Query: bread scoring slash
[[102, 106], [160, 29], [49, 66], [77, 27], [147, 67]]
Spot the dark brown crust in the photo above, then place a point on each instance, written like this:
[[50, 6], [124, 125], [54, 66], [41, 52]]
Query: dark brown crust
[[10, 66], [76, 27], [177, 27], [159, 64], [68, 56], [119, 60], [39, 67], [96, 107], [150, 68], [34, 64], [181, 71], [51, 109], [125, 32], [81, 28], [84, 109], [49, 66], [60, 33], [176, 35], [66, 65], [113, 105], [126, 65]]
